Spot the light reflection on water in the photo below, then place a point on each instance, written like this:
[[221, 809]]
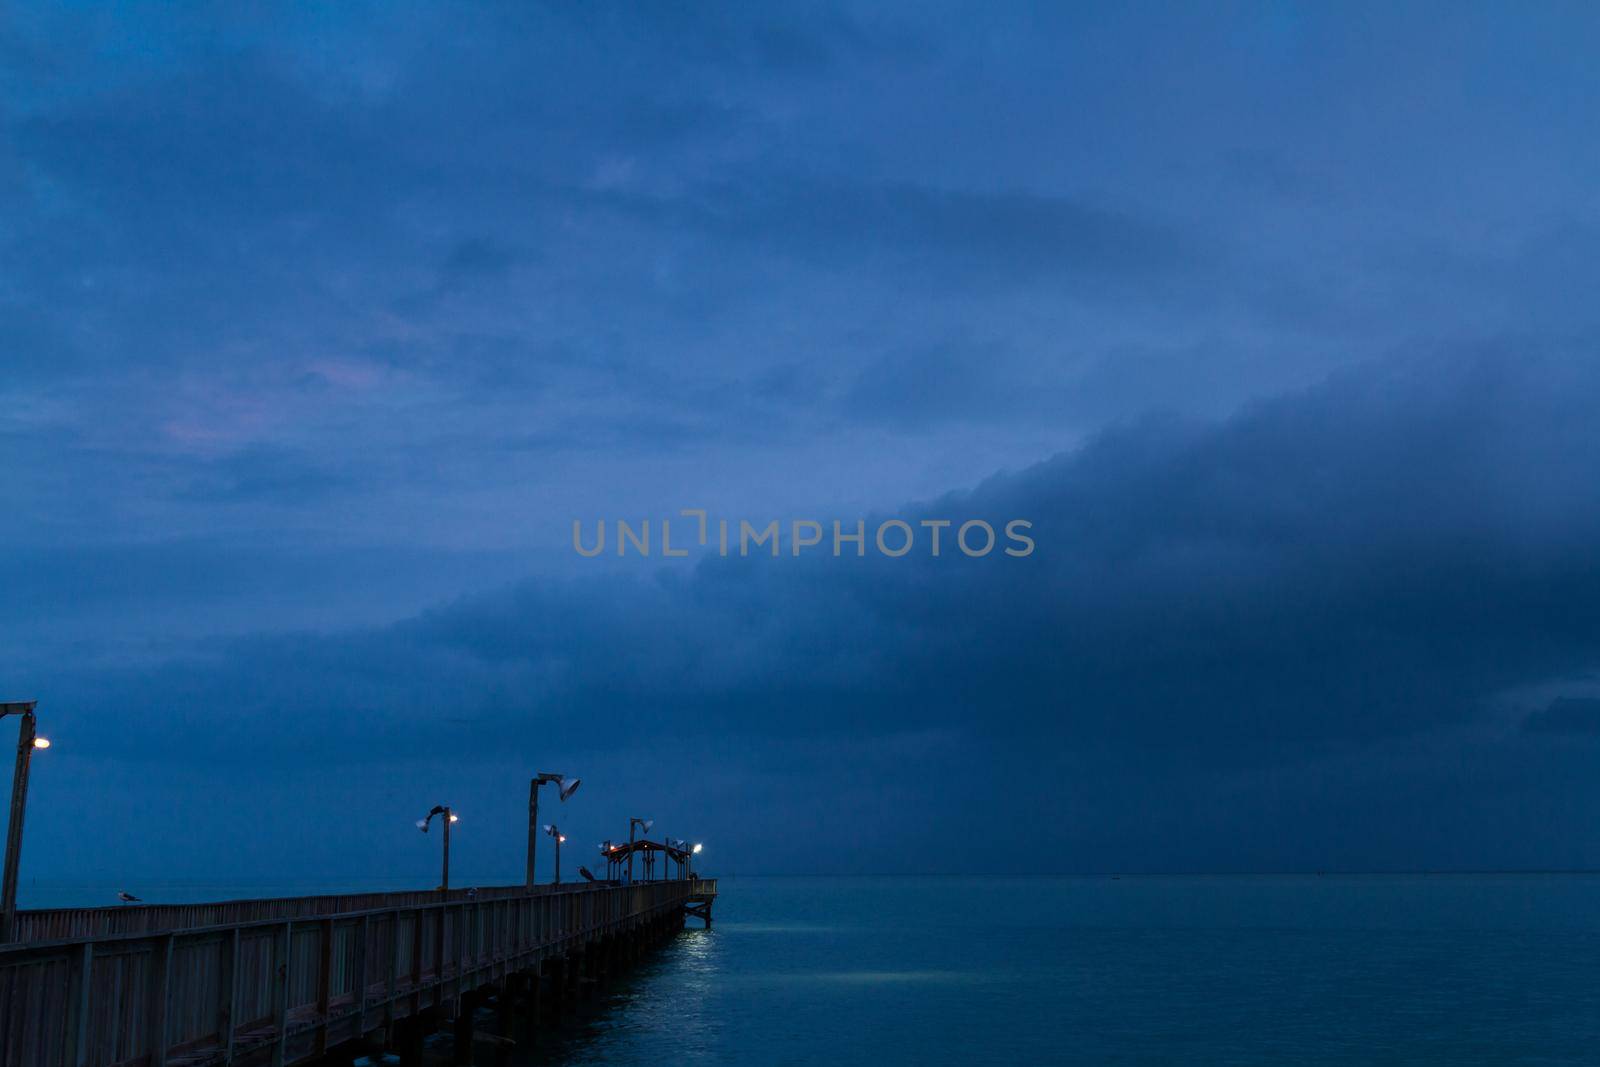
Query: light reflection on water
[[663, 1011]]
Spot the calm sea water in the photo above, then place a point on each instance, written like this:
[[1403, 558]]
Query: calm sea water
[[1447, 969], [1500, 969]]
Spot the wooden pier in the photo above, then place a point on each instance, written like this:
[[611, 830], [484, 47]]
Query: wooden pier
[[305, 979]]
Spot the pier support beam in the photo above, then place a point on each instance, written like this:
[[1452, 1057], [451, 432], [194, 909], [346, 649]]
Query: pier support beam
[[408, 1040], [555, 968], [466, 1007], [535, 1006], [574, 976], [534, 1017], [506, 1002]]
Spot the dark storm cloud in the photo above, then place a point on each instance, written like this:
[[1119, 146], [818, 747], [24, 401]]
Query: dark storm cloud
[[1568, 715], [267, 474], [1372, 559], [961, 237], [948, 383]]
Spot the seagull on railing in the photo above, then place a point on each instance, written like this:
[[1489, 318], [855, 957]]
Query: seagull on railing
[[127, 897]]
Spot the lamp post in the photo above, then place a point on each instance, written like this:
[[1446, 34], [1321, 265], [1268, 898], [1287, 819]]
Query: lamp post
[[449, 817], [685, 857], [564, 788], [643, 824], [555, 832], [693, 852], [27, 740]]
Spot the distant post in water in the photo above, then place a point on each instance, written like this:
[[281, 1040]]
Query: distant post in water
[[564, 789], [27, 740]]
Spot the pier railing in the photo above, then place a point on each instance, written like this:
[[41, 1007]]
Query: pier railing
[[281, 981], [51, 924]]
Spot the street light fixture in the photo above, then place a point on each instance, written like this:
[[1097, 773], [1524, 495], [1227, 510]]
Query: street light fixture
[[27, 740], [565, 787], [555, 832], [449, 818]]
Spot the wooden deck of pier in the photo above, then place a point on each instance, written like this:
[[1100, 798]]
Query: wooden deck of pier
[[289, 981]]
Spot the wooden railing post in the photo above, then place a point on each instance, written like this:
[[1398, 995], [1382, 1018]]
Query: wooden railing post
[[392, 977], [80, 985], [280, 991], [228, 986], [438, 952], [418, 930], [324, 982], [358, 976], [160, 972]]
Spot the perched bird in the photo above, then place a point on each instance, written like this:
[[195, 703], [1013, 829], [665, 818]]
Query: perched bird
[[127, 897]]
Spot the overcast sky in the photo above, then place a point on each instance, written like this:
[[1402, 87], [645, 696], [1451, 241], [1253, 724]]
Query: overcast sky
[[318, 331]]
